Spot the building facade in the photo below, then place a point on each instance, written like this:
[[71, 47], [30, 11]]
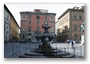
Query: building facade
[[70, 24], [14, 29], [31, 23], [56, 27], [6, 24], [82, 33], [11, 28]]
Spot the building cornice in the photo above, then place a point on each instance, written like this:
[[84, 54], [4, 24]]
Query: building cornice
[[38, 13], [10, 14], [71, 10]]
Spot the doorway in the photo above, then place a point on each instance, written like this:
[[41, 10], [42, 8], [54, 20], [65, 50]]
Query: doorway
[[29, 39]]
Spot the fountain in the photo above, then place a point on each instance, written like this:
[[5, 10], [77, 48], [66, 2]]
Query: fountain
[[44, 49]]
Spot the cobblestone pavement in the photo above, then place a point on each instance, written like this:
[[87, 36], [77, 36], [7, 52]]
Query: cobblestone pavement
[[79, 49], [13, 48]]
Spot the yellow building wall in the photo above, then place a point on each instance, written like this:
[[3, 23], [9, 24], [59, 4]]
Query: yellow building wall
[[14, 30], [64, 21]]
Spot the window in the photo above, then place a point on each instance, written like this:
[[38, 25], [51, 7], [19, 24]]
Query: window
[[7, 27], [29, 22], [8, 17], [58, 31], [6, 32], [29, 28], [29, 34], [80, 17], [64, 19], [6, 37], [23, 29], [67, 18], [80, 28], [59, 22], [51, 30], [80, 37], [29, 16], [75, 37], [23, 36], [75, 27], [37, 28], [46, 17], [23, 16], [75, 17], [66, 28], [38, 17], [37, 22], [52, 18]]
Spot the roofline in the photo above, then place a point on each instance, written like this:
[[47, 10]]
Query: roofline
[[27, 12], [11, 14], [70, 10]]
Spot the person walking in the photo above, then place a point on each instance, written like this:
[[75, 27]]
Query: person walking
[[72, 44], [68, 41]]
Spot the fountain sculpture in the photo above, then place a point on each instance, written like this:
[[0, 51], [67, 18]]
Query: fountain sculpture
[[44, 50]]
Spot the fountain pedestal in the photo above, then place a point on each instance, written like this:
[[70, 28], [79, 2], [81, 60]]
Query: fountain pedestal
[[45, 48]]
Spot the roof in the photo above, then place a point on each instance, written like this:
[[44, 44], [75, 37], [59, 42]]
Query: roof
[[11, 14], [82, 10], [39, 13]]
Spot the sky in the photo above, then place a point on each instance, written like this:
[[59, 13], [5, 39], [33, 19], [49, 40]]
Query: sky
[[15, 9]]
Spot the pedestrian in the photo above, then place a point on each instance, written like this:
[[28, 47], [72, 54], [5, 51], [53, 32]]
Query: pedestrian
[[68, 41], [72, 44]]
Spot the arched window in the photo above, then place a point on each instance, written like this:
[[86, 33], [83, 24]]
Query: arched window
[[66, 28]]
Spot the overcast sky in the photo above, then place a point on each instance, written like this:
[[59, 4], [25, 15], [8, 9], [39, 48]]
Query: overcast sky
[[15, 9]]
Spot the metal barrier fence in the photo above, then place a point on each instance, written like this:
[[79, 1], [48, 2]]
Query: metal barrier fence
[[18, 49], [75, 51]]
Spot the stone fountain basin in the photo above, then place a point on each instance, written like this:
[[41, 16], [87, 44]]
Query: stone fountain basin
[[31, 55], [40, 51]]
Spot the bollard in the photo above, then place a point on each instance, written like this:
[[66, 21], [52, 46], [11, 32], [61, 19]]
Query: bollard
[[29, 45], [12, 51], [56, 50], [26, 49], [65, 50], [81, 51], [35, 45], [18, 48], [74, 51], [67, 47]]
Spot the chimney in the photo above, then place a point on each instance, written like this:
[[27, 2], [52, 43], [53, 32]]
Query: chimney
[[41, 10], [36, 10]]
